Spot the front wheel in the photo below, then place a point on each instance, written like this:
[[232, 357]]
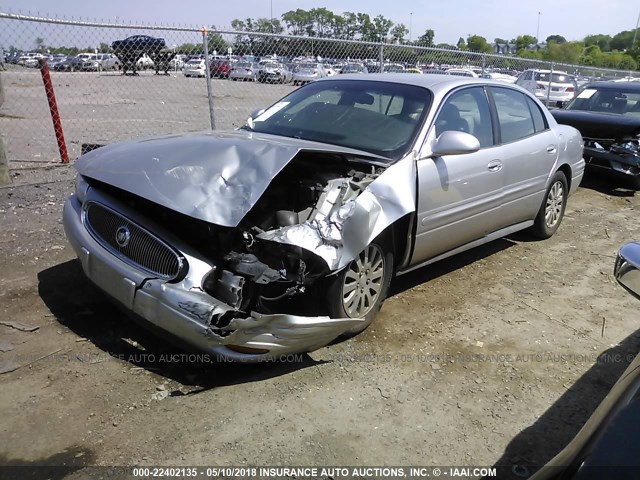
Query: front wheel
[[359, 290], [552, 209]]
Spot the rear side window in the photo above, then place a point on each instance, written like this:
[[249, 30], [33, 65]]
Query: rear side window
[[514, 115], [539, 122]]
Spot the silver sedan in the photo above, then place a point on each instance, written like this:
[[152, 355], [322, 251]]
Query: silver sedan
[[283, 235], [244, 71]]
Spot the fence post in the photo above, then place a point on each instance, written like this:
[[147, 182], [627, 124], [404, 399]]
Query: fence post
[[484, 60], [549, 84], [207, 63], [4, 164], [381, 58]]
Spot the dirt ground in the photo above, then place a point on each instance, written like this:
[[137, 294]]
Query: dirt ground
[[494, 357]]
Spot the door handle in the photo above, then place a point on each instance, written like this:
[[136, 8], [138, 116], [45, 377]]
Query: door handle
[[494, 166], [551, 149]]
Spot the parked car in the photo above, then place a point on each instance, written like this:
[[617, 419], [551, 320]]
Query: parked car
[[108, 61], [64, 65], [549, 87], [353, 68], [606, 446], [308, 72], [138, 43], [220, 68], [608, 116], [320, 198], [273, 72], [56, 59], [195, 67], [503, 77], [177, 62], [244, 71], [461, 72], [145, 62], [85, 62], [136, 52], [394, 68], [31, 59]]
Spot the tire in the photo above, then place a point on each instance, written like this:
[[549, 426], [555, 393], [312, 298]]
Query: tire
[[348, 294], [552, 209]]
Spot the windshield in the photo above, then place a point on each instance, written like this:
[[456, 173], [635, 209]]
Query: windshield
[[607, 100], [378, 117]]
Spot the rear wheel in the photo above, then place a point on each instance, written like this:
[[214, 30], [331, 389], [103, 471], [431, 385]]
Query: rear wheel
[[359, 290], [552, 209]]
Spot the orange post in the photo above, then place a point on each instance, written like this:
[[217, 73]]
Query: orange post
[[53, 107]]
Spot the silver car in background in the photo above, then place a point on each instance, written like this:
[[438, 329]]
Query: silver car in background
[[281, 236], [308, 72], [244, 71]]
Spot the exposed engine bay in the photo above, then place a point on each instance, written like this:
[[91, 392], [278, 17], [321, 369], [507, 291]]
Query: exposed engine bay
[[253, 273], [622, 154]]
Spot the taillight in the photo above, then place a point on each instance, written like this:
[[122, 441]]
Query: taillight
[[540, 86], [569, 89]]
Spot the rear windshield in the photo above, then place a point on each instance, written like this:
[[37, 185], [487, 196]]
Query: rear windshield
[[555, 77]]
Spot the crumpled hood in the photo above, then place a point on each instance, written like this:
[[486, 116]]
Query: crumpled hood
[[212, 176]]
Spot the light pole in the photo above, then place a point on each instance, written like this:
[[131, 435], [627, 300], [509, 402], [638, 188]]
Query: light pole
[[538, 29], [271, 14], [410, 23], [635, 32]]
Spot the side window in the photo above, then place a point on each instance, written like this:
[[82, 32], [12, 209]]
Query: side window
[[514, 116], [539, 122], [467, 111]]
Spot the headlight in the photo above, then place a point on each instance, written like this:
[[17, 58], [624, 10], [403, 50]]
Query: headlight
[[82, 187]]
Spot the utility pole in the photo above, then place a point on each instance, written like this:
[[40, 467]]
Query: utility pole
[[410, 23], [538, 29]]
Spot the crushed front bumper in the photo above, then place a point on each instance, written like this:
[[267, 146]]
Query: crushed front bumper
[[186, 312]]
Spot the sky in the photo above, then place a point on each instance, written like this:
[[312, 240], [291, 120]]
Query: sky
[[450, 19]]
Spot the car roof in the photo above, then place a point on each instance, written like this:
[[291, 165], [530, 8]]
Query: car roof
[[628, 86], [435, 82]]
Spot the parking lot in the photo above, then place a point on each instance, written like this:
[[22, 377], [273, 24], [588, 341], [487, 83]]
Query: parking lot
[[493, 357]]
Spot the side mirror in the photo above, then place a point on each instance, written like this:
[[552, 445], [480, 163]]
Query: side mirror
[[453, 142], [253, 115], [627, 268]]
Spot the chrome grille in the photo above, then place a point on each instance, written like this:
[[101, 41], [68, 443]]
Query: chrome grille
[[136, 245]]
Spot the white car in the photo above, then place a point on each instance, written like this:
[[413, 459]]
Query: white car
[[144, 62], [108, 61], [503, 77], [551, 88], [461, 72], [196, 67]]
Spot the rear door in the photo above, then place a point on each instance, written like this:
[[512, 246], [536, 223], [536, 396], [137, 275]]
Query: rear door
[[529, 151]]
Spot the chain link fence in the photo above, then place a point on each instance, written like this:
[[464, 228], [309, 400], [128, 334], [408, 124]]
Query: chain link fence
[[119, 81]]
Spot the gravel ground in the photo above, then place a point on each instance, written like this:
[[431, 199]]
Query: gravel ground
[[494, 357]]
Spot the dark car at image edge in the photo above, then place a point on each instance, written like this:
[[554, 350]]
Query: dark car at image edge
[[607, 114]]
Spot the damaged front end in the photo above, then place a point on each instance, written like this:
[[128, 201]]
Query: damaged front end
[[619, 157], [318, 212]]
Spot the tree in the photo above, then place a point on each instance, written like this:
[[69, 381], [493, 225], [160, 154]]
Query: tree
[[556, 39], [104, 47], [500, 40], [398, 33], [602, 41], [476, 43], [622, 41], [461, 44], [523, 41], [40, 47], [427, 38], [568, 52]]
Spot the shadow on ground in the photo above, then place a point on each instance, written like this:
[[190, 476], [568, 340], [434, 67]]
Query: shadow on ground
[[537, 444], [86, 311]]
